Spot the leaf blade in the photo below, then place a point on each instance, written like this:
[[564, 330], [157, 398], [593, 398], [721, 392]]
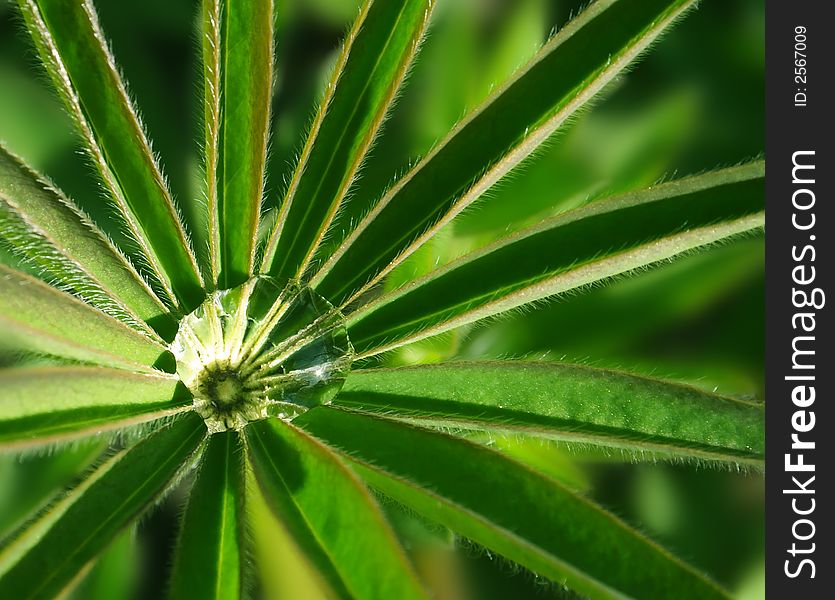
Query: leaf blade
[[209, 556], [565, 402], [364, 85], [500, 504], [350, 540], [39, 318], [565, 74], [44, 226], [44, 476], [45, 558], [245, 74], [569, 251], [72, 47], [44, 404], [210, 22]]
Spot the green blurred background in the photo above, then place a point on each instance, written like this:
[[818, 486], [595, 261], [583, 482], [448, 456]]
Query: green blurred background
[[694, 103]]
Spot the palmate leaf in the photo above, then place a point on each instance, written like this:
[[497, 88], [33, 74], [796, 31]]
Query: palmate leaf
[[210, 553], [44, 404], [565, 402], [238, 70], [73, 49], [45, 557], [342, 531], [569, 251], [502, 505], [374, 60], [38, 318], [46, 228], [312, 472], [564, 75]]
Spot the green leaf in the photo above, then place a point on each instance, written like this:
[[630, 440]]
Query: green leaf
[[569, 251], [210, 21], [565, 74], [610, 321], [564, 463], [28, 480], [566, 402], [210, 551], [44, 404], [47, 556], [238, 72], [39, 223], [39, 318], [115, 573], [72, 46], [369, 71], [508, 508], [333, 517], [292, 575]]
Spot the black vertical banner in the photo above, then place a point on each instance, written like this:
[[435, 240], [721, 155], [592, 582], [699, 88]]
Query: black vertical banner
[[799, 330]]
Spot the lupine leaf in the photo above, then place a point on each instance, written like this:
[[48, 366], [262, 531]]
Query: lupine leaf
[[45, 227], [566, 402], [39, 318], [374, 60], [634, 308], [382, 429], [501, 504], [569, 251], [114, 574], [29, 481], [45, 557], [73, 48], [342, 531], [211, 47], [238, 64], [210, 553], [563, 76], [42, 404], [284, 571]]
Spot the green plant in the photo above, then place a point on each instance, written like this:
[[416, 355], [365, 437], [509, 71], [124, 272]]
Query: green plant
[[259, 351]]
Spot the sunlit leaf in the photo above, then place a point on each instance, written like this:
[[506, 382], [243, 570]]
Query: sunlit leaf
[[210, 552], [374, 60], [495, 137], [593, 243], [46, 228], [238, 70], [39, 318], [343, 531], [45, 557], [566, 402], [73, 49], [508, 508], [40, 405]]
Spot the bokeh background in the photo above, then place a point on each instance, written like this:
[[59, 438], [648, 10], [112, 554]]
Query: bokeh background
[[694, 103]]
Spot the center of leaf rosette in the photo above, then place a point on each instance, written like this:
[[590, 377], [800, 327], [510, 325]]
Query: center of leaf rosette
[[266, 348]]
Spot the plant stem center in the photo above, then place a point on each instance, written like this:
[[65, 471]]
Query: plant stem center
[[222, 387], [262, 349]]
